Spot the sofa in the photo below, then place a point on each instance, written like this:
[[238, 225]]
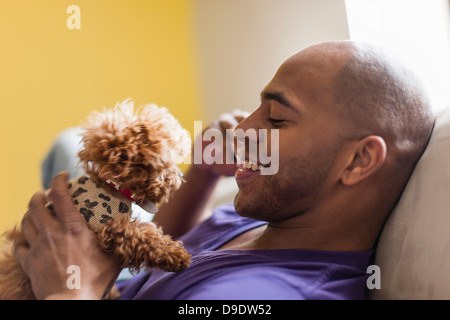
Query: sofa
[[413, 251]]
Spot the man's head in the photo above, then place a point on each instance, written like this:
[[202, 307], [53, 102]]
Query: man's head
[[352, 124]]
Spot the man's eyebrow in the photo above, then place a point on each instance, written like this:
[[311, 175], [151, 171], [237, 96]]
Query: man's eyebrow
[[277, 96]]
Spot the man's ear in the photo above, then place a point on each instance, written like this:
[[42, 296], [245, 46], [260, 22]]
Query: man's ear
[[366, 158]]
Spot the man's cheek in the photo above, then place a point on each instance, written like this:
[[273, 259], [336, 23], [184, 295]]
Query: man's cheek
[[271, 164]]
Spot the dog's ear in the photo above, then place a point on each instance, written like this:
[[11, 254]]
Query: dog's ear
[[163, 184], [138, 245]]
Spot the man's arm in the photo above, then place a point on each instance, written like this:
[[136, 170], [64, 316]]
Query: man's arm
[[191, 202]]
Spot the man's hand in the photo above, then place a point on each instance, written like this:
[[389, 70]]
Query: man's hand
[[224, 122], [58, 237]]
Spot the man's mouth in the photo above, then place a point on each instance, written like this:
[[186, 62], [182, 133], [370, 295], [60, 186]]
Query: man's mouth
[[250, 166], [247, 169]]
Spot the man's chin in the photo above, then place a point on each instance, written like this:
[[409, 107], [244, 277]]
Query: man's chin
[[246, 208], [239, 204]]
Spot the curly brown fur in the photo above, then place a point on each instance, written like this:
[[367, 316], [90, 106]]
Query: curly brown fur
[[138, 245], [133, 148], [14, 283]]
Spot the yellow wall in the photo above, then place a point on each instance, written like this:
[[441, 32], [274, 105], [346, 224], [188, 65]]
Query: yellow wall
[[52, 77]]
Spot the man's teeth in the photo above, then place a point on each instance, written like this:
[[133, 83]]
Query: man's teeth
[[252, 166]]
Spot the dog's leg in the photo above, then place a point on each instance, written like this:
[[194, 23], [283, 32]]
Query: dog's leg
[[142, 245]]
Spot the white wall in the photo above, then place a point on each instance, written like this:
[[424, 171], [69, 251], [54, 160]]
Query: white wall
[[417, 30], [241, 44]]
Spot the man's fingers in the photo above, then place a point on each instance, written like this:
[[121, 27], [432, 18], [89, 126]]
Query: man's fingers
[[37, 217], [226, 121], [240, 115], [62, 205], [229, 120], [21, 252], [39, 199], [29, 230]]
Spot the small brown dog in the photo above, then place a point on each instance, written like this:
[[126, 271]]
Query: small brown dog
[[128, 157]]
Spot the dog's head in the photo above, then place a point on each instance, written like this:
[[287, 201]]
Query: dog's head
[[136, 150]]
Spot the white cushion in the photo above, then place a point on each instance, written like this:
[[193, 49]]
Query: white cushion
[[414, 248]]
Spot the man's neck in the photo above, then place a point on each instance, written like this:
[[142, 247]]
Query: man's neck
[[289, 235]]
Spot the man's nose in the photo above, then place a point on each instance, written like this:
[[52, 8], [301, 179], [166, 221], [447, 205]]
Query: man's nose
[[246, 137], [251, 122]]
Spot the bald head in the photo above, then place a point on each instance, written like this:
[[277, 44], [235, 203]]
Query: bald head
[[375, 94], [378, 95], [372, 92]]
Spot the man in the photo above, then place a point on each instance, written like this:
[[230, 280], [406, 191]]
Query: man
[[352, 125]]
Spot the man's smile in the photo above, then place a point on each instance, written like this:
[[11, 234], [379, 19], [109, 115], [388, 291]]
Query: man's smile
[[247, 170]]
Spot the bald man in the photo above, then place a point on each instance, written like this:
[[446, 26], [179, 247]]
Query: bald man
[[352, 124]]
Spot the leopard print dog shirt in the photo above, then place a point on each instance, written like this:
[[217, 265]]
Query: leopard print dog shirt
[[98, 203]]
